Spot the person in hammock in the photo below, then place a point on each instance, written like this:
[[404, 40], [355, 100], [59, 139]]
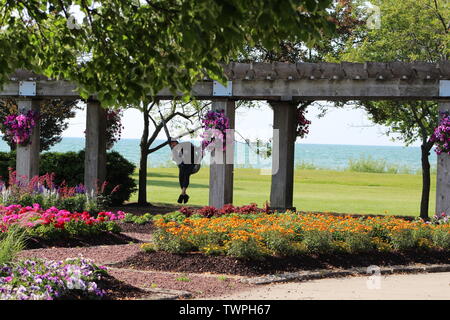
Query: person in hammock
[[185, 156]]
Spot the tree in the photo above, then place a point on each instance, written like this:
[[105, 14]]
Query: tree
[[127, 50], [410, 30], [54, 116], [347, 18], [184, 113]]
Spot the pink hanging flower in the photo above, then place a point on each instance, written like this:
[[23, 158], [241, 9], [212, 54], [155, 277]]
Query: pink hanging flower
[[19, 127], [214, 124], [441, 135]]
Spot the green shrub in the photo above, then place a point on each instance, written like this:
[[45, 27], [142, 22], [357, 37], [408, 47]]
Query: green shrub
[[403, 239], [378, 231], [148, 247], [7, 160], [359, 242], [441, 238], [167, 242], [422, 233], [143, 219], [367, 164], [176, 216], [249, 249], [280, 244], [68, 167], [318, 241]]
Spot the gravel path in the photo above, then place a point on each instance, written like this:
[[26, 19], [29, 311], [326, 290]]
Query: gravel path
[[99, 254], [393, 287], [199, 285]]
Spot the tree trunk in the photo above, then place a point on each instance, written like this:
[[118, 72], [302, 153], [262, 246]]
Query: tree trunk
[[142, 193], [142, 197], [424, 203]]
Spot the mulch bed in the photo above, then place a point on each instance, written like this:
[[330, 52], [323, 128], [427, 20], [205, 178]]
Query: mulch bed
[[137, 209], [197, 262], [119, 290], [137, 228], [101, 239]]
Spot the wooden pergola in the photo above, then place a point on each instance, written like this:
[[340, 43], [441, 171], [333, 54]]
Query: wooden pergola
[[283, 85]]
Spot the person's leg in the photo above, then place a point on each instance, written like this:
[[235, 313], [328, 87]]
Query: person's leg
[[181, 180], [186, 181]]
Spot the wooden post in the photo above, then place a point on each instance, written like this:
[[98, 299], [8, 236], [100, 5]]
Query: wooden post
[[284, 126], [443, 174], [27, 157], [221, 173], [95, 157]]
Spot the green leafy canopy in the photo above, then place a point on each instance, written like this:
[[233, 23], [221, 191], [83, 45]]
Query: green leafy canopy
[[126, 50]]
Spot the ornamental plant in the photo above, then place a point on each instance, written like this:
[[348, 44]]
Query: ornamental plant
[[44, 191], [214, 124], [302, 123], [255, 234], [441, 135], [113, 126], [54, 223], [51, 280], [18, 127]]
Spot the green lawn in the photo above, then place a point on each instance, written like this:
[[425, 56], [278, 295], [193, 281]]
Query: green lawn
[[314, 190]]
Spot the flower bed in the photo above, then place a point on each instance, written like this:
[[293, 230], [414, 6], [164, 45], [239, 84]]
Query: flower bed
[[255, 235], [56, 224], [49, 280]]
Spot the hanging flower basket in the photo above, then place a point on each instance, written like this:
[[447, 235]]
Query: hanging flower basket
[[19, 127], [214, 125], [302, 123], [441, 135]]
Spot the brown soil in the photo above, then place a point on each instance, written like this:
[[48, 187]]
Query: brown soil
[[197, 262], [100, 239], [119, 290], [199, 285], [137, 228], [155, 209], [99, 254]]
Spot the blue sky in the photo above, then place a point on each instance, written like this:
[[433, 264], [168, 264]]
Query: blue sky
[[338, 126]]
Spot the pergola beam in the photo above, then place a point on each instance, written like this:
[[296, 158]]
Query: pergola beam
[[271, 81], [322, 89]]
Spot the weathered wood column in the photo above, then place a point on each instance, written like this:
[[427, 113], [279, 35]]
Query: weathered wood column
[[443, 173], [222, 164], [95, 157], [27, 157], [284, 129]]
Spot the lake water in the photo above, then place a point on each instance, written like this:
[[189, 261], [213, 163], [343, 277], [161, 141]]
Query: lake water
[[321, 155]]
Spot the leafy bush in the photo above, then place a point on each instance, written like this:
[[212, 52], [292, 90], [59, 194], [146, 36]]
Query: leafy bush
[[318, 241], [403, 239], [148, 247], [367, 164], [359, 242], [165, 241], [245, 249], [143, 219], [176, 216], [68, 167], [254, 235], [441, 238], [279, 243]]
